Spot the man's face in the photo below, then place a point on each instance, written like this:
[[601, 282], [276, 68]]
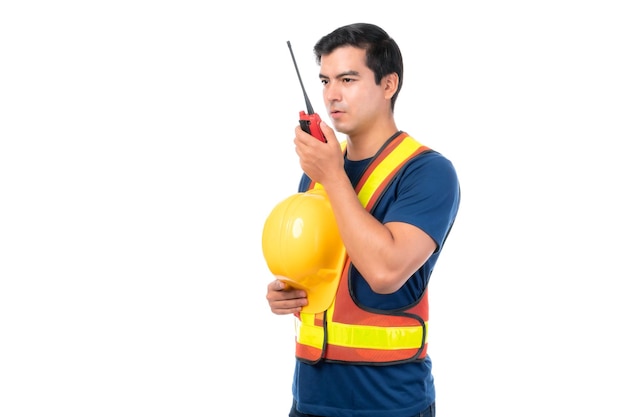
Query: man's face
[[352, 98]]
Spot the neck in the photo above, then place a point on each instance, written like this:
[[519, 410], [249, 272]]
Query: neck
[[363, 146]]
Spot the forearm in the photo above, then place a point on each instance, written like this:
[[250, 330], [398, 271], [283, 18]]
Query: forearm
[[370, 244]]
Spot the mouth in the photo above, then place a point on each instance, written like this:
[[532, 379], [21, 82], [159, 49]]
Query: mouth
[[335, 113]]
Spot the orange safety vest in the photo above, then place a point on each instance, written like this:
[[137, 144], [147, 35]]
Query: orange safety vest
[[347, 332]]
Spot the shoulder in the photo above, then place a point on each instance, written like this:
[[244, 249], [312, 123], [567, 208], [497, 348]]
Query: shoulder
[[430, 166]]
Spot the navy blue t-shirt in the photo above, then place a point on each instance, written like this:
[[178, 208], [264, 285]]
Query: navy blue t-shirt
[[425, 194]]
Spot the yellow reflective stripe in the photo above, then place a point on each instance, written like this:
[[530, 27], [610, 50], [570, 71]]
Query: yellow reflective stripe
[[307, 332], [367, 337], [387, 165], [370, 337]]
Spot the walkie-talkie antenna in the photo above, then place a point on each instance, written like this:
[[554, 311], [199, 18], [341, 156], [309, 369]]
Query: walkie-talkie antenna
[[309, 108], [311, 122]]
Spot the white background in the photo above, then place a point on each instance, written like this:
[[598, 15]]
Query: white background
[[144, 143]]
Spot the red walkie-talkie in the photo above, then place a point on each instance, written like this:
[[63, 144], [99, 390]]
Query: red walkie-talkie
[[309, 121]]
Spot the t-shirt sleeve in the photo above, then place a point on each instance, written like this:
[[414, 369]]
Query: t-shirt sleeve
[[427, 195]]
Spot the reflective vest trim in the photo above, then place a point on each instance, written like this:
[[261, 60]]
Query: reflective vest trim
[[368, 337], [384, 167], [308, 333], [388, 167], [373, 337]]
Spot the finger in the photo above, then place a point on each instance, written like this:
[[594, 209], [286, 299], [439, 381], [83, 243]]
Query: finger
[[288, 306], [328, 132], [286, 310]]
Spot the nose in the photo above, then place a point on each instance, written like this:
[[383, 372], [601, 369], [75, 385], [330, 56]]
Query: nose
[[331, 92]]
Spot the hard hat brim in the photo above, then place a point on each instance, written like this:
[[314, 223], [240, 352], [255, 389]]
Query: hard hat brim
[[320, 289]]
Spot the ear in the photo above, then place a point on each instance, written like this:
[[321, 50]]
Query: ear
[[390, 82]]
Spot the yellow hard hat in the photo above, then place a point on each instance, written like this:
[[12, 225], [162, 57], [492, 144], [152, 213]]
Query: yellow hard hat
[[301, 242]]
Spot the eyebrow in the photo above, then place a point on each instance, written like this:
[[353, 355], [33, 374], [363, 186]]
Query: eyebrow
[[342, 74]]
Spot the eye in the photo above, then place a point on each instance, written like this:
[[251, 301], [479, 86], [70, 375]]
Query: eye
[[324, 82], [347, 80]]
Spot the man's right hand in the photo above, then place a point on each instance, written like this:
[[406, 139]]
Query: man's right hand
[[283, 299]]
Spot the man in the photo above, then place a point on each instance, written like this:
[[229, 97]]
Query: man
[[366, 355]]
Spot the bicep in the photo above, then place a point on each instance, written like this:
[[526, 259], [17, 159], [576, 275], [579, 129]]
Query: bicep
[[411, 249]]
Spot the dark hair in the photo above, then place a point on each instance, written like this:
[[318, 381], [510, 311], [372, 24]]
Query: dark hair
[[382, 53]]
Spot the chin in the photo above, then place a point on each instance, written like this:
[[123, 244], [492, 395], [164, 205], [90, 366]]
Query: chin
[[341, 128]]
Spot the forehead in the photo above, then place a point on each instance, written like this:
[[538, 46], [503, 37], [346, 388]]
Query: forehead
[[343, 59]]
